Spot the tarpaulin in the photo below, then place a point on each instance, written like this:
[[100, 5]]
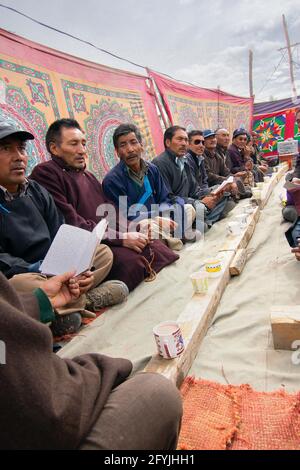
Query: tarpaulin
[[39, 85], [199, 108], [274, 121]]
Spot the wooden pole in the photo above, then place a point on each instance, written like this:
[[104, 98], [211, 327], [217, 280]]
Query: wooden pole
[[288, 43], [218, 107], [251, 74]]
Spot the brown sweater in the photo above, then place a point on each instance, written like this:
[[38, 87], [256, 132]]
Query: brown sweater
[[216, 169], [47, 402]]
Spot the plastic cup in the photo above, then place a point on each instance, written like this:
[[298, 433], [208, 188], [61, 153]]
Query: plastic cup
[[213, 267], [241, 219], [200, 282], [234, 228], [256, 193], [248, 209]]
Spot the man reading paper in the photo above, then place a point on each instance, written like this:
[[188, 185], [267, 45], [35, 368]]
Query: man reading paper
[[29, 221]]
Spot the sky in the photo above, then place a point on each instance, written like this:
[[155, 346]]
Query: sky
[[205, 42]]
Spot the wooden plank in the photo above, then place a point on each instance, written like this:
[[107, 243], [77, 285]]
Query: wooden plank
[[194, 322], [285, 322], [268, 188], [199, 312], [238, 262]]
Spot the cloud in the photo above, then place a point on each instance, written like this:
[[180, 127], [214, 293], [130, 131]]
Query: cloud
[[186, 2], [201, 41]]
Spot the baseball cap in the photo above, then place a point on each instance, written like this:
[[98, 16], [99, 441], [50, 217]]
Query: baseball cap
[[208, 133], [7, 129]]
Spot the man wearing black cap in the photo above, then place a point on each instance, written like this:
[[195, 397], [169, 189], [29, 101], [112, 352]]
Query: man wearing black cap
[[29, 221], [216, 165], [239, 156]]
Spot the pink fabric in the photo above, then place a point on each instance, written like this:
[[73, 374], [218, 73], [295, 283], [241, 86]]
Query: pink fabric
[[207, 108]]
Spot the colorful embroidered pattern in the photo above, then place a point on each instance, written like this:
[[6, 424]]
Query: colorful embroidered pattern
[[34, 96], [271, 131]]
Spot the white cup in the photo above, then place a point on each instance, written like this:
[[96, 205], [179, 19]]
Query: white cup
[[241, 219], [256, 193], [213, 267], [260, 185], [200, 282], [234, 228], [248, 209], [168, 339]]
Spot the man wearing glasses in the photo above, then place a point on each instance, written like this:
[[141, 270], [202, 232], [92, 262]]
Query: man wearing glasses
[[196, 160]]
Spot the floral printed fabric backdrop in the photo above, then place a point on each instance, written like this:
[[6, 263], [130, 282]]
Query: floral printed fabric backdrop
[[199, 108], [39, 85]]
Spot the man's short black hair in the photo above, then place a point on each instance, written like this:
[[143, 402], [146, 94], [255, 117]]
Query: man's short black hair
[[171, 131], [193, 133], [125, 129], [54, 132]]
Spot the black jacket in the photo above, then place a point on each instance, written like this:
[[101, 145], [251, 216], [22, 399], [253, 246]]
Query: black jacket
[[28, 225], [179, 183], [197, 165]]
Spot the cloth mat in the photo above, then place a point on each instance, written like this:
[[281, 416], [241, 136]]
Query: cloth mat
[[228, 417]]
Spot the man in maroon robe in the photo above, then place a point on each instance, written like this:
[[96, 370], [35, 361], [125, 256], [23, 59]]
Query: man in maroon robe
[[79, 195]]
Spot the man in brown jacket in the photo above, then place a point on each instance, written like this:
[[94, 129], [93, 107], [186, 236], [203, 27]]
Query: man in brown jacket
[[51, 403]]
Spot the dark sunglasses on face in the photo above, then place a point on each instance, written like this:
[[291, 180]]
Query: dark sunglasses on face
[[198, 141]]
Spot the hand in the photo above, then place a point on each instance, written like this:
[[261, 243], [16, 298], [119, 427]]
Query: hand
[[168, 225], [249, 165], [296, 180], [248, 150], [85, 282], [234, 188], [241, 174], [135, 241], [61, 290], [263, 168], [210, 201], [296, 252]]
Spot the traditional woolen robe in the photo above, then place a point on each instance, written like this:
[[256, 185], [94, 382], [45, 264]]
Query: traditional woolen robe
[[47, 402], [78, 195]]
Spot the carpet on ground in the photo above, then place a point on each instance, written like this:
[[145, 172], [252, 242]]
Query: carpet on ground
[[228, 417]]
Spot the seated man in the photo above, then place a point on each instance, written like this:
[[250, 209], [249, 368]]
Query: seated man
[[289, 212], [29, 221], [195, 160], [86, 403], [80, 198], [217, 170], [138, 189], [257, 155], [238, 153], [174, 167], [223, 141]]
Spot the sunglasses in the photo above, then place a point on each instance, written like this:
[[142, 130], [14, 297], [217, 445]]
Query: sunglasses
[[198, 141]]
